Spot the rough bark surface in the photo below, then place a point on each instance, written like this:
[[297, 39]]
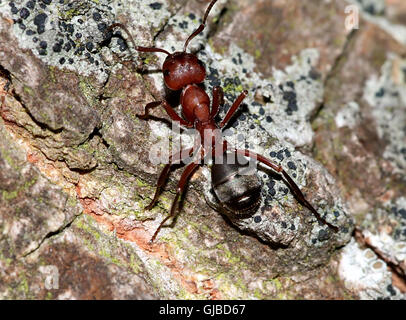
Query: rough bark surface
[[325, 102]]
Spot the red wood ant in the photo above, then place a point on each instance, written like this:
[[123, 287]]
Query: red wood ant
[[184, 71]]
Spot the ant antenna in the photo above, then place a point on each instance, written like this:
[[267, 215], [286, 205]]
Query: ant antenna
[[138, 48], [201, 27]]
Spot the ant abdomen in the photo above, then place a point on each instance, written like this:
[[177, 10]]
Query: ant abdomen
[[237, 191]]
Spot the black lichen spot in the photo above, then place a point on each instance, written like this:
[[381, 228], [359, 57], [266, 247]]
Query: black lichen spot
[[271, 184], [313, 74], [30, 4], [314, 241], [122, 44], [402, 213], [336, 214], [89, 46], [280, 155], [69, 28], [78, 35], [269, 119], [370, 9], [284, 225], [62, 60], [391, 290], [70, 60], [214, 77], [291, 98], [292, 227], [42, 52], [57, 47], [14, 10], [96, 16], [261, 111], [43, 44], [323, 235], [380, 93], [239, 58], [272, 154], [67, 47], [156, 5], [257, 219], [192, 16], [183, 24], [47, 1], [30, 32], [290, 84], [256, 104], [102, 26], [39, 21], [24, 13], [291, 165], [287, 153]]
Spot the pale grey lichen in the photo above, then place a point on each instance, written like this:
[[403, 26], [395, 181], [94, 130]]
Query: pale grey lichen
[[366, 275], [71, 34], [349, 116], [386, 95]]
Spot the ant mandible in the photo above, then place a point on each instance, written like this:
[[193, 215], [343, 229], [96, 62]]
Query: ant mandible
[[184, 71]]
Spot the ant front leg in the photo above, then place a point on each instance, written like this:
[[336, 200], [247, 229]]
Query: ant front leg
[[233, 108], [290, 183], [186, 175], [169, 110]]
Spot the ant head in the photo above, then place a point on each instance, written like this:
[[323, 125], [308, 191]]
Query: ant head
[[181, 69]]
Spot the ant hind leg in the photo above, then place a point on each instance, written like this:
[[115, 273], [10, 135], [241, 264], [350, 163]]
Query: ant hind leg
[[290, 183], [186, 175]]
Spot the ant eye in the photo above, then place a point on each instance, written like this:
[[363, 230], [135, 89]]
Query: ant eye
[[166, 72]]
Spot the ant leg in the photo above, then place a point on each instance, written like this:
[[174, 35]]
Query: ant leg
[[169, 110], [233, 108], [201, 27], [186, 175], [290, 183], [138, 48], [164, 174], [218, 100]]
